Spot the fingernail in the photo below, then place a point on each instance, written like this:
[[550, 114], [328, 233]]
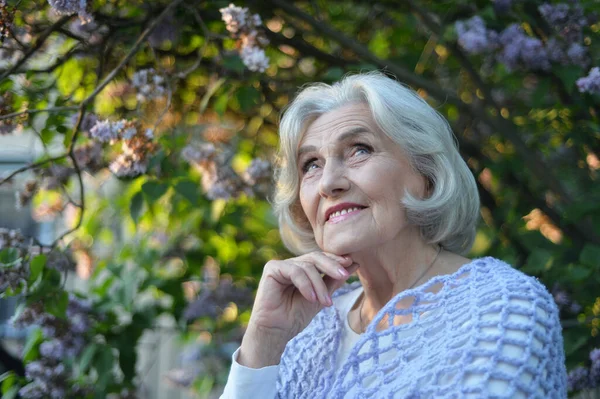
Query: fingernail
[[329, 301], [343, 272], [314, 296]]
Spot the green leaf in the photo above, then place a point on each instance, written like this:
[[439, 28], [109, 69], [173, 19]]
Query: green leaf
[[154, 190], [36, 266], [234, 63], [104, 364], [86, 357], [11, 392], [220, 104], [333, 74], [577, 273], [189, 190], [135, 207], [57, 304], [30, 351], [539, 261], [212, 89], [248, 97], [590, 255], [568, 75]]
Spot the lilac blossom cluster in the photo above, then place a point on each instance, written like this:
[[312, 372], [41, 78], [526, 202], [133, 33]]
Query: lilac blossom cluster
[[149, 85], [567, 20], [563, 300], [6, 18], [14, 275], [7, 126], [219, 180], [66, 7], [64, 338], [23, 197], [474, 37], [136, 146], [591, 82], [214, 298], [583, 378], [243, 27], [517, 50]]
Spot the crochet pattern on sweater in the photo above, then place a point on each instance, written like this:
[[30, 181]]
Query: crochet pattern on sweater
[[485, 329]]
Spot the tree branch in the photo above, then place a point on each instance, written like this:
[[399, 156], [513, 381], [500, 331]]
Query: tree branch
[[38, 44], [37, 111]]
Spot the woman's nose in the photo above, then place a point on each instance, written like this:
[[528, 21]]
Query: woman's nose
[[333, 180]]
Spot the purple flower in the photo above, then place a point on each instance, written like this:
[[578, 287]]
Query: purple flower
[[520, 50], [104, 132], [590, 83], [577, 379], [72, 7], [595, 368], [474, 37], [53, 349]]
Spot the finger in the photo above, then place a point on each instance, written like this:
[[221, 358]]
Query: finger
[[334, 284], [301, 281], [343, 260], [328, 265], [317, 282]]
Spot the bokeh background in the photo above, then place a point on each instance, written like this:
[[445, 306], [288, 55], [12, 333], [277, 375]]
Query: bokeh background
[[137, 141]]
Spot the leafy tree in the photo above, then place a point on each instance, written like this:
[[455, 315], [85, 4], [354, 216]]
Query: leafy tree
[[165, 113]]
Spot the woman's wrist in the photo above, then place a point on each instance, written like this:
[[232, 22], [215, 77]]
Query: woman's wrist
[[261, 348]]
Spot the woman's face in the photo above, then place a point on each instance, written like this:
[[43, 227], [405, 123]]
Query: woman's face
[[348, 165]]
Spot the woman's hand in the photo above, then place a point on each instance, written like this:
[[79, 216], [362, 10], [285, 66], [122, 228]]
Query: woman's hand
[[290, 293]]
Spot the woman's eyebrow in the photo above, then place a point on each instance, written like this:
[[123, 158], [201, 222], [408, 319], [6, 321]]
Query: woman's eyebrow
[[352, 133]]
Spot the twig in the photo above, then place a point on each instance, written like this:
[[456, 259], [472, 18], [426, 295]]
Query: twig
[[38, 44], [32, 166], [363, 52], [37, 111], [131, 53]]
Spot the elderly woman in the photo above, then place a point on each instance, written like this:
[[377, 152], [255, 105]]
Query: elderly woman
[[370, 181]]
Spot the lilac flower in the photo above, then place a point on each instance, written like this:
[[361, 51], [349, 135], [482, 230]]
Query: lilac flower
[[567, 20], [577, 54], [235, 18], [474, 37], [590, 83], [254, 58], [521, 50], [198, 153], [72, 7], [148, 84], [104, 131], [126, 165], [88, 122], [577, 379], [258, 170], [53, 349], [595, 368]]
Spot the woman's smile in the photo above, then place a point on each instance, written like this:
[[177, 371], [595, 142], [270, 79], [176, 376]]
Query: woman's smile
[[341, 216]]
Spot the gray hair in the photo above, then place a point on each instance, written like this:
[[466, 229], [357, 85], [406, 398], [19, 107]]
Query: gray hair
[[449, 214]]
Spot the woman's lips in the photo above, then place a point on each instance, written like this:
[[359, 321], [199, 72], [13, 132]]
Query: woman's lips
[[341, 218]]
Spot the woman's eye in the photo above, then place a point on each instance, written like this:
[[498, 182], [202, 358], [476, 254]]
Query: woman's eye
[[308, 165], [362, 149]]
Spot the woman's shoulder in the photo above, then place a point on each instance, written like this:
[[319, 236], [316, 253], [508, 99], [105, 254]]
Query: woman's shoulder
[[490, 274]]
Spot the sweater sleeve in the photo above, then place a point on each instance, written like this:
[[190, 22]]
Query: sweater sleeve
[[245, 382], [520, 353]]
